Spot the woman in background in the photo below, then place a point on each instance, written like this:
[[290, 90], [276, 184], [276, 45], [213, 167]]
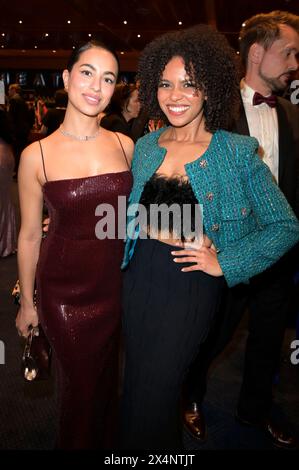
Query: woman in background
[[123, 109]]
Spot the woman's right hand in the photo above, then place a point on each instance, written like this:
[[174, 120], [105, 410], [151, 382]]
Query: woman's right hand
[[46, 223], [196, 244], [26, 318]]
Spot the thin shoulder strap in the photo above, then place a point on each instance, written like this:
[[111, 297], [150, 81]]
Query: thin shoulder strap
[[122, 149], [41, 151]]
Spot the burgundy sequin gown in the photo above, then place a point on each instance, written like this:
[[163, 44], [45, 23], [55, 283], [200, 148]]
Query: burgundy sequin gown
[[79, 306]]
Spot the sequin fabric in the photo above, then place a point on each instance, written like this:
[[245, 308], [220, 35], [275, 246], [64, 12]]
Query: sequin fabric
[[79, 306]]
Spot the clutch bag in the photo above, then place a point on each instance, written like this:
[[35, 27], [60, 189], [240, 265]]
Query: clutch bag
[[36, 359]]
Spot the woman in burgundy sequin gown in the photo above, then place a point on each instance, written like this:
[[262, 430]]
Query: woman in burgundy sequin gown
[[78, 275]]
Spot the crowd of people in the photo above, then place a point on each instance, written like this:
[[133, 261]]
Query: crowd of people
[[228, 150]]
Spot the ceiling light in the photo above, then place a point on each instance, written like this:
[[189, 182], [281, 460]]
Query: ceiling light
[[53, 51], [125, 22], [2, 46], [3, 34], [122, 52], [180, 23], [35, 47], [74, 47], [89, 35], [46, 35], [20, 21], [139, 35], [69, 21], [243, 25]]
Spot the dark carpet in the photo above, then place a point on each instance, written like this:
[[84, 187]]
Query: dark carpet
[[28, 410]]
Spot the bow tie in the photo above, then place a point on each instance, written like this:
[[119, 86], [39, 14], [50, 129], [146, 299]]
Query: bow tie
[[258, 99]]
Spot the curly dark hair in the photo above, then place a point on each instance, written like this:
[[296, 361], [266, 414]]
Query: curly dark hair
[[209, 61]]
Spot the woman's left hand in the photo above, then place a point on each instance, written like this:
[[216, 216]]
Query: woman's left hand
[[204, 257]]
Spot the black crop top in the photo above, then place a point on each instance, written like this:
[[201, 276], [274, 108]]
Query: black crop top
[[162, 190]]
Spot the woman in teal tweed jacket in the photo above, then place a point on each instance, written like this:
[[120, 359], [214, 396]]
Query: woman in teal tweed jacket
[[171, 294], [244, 212]]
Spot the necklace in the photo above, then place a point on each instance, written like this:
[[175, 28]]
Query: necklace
[[78, 137]]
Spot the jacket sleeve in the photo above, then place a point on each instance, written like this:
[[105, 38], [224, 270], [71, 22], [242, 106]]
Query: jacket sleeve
[[136, 155], [277, 228]]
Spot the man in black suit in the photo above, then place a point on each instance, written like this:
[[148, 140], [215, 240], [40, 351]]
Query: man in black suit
[[269, 44]]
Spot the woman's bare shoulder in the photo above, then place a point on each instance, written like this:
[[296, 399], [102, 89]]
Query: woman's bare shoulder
[[128, 145], [33, 154], [32, 151], [115, 138]]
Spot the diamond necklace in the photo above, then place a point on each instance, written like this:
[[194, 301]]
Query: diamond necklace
[[79, 137]]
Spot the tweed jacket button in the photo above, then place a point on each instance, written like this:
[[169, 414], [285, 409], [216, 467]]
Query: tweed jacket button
[[243, 211], [203, 163], [210, 196], [215, 227]]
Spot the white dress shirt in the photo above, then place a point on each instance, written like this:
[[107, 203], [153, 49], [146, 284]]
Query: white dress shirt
[[263, 125]]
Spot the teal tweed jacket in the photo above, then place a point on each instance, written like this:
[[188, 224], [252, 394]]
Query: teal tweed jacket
[[244, 212]]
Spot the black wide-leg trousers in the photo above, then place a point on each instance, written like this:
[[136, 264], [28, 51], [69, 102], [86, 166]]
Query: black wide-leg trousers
[[167, 315]]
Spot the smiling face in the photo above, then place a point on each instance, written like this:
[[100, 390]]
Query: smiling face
[[178, 97], [91, 82], [280, 59]]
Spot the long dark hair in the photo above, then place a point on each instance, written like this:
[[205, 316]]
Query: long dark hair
[[75, 55]]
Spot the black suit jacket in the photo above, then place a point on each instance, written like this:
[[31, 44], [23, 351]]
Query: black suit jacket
[[116, 123], [288, 140]]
